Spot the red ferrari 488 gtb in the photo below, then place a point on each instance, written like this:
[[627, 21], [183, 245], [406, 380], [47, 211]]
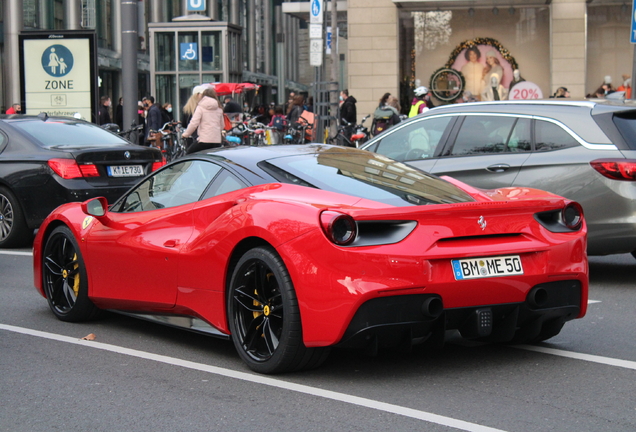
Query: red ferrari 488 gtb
[[291, 250]]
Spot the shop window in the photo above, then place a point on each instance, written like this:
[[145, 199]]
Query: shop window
[[164, 52]]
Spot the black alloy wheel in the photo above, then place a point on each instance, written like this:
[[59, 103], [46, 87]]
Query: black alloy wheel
[[13, 228], [264, 317], [64, 278]]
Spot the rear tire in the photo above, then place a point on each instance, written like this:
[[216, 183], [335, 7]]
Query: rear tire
[[13, 228], [264, 317]]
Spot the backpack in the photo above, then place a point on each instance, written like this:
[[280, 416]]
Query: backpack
[[382, 120], [279, 123]]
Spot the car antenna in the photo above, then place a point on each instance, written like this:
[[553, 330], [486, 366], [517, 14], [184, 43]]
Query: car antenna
[[43, 116]]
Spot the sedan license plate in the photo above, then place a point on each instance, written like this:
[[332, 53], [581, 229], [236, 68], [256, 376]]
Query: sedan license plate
[[125, 171], [473, 268]]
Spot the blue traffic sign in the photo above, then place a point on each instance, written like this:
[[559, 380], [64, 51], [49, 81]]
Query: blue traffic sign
[[196, 5], [633, 33]]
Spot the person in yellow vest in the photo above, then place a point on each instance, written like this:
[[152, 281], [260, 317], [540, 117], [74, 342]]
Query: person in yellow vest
[[420, 102]]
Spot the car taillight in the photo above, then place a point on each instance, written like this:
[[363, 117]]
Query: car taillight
[[339, 228], [157, 165], [572, 216], [69, 169], [616, 169]]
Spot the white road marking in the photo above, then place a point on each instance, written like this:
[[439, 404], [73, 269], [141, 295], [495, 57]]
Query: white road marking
[[593, 301], [6, 252], [258, 379], [579, 356]]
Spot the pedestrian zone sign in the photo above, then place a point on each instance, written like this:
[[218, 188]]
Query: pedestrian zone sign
[[315, 11]]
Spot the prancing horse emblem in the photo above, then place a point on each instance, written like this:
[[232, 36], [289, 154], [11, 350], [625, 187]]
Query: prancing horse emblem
[[482, 222]]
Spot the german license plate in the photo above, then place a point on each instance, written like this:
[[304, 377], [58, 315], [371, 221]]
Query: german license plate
[[125, 171], [473, 268]]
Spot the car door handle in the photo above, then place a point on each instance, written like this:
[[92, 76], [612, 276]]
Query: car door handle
[[171, 243], [497, 168]]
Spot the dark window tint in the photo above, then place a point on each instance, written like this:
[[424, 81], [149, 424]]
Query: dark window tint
[[484, 135], [549, 136], [176, 185], [520, 139], [3, 142], [417, 140], [626, 124], [63, 133], [365, 175]]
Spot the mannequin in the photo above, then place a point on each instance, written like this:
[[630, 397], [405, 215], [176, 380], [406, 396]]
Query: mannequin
[[516, 79], [494, 90]]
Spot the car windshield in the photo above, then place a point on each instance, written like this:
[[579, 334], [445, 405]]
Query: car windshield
[[365, 175], [67, 133]]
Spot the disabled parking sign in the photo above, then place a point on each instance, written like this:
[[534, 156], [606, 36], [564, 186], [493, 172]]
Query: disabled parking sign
[[633, 32], [189, 51]]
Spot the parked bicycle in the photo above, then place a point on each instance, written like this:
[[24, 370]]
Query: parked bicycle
[[350, 135], [132, 134], [168, 140], [298, 133]]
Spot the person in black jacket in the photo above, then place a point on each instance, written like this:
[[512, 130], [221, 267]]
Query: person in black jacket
[[103, 116], [348, 112], [153, 116]]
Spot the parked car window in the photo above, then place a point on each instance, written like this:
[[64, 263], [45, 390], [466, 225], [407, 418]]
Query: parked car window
[[223, 183], [626, 124], [176, 185], [67, 133], [417, 140], [549, 136], [521, 138], [484, 135]]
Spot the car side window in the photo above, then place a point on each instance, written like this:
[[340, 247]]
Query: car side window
[[223, 183], [484, 135], [3, 142], [521, 138], [549, 136], [176, 185], [418, 140]]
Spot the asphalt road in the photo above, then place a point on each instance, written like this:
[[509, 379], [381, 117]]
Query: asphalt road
[[139, 376]]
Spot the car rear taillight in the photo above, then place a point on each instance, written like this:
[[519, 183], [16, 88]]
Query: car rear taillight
[[157, 165], [616, 169], [69, 169], [572, 216], [339, 228]]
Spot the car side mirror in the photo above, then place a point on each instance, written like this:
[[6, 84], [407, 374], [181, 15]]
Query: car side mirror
[[95, 207]]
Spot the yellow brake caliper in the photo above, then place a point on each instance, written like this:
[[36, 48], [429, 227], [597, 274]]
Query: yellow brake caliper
[[76, 278]]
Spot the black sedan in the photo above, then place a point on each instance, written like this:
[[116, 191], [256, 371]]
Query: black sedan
[[47, 161]]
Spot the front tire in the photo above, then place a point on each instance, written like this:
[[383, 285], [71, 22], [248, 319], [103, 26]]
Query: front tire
[[13, 228], [264, 317], [64, 278]]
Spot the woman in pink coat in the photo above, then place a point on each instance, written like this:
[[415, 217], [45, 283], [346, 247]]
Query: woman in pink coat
[[207, 120]]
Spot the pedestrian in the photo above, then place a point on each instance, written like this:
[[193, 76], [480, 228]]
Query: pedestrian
[[386, 114], [153, 121], [208, 121], [16, 108], [278, 123], [296, 110], [626, 87], [348, 108], [290, 101], [561, 92], [166, 110], [103, 115], [420, 103], [189, 108], [232, 109], [119, 114]]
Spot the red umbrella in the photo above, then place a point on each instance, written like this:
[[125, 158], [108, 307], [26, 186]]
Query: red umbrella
[[223, 89]]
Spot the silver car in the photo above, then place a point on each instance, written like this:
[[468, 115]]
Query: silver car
[[582, 150]]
